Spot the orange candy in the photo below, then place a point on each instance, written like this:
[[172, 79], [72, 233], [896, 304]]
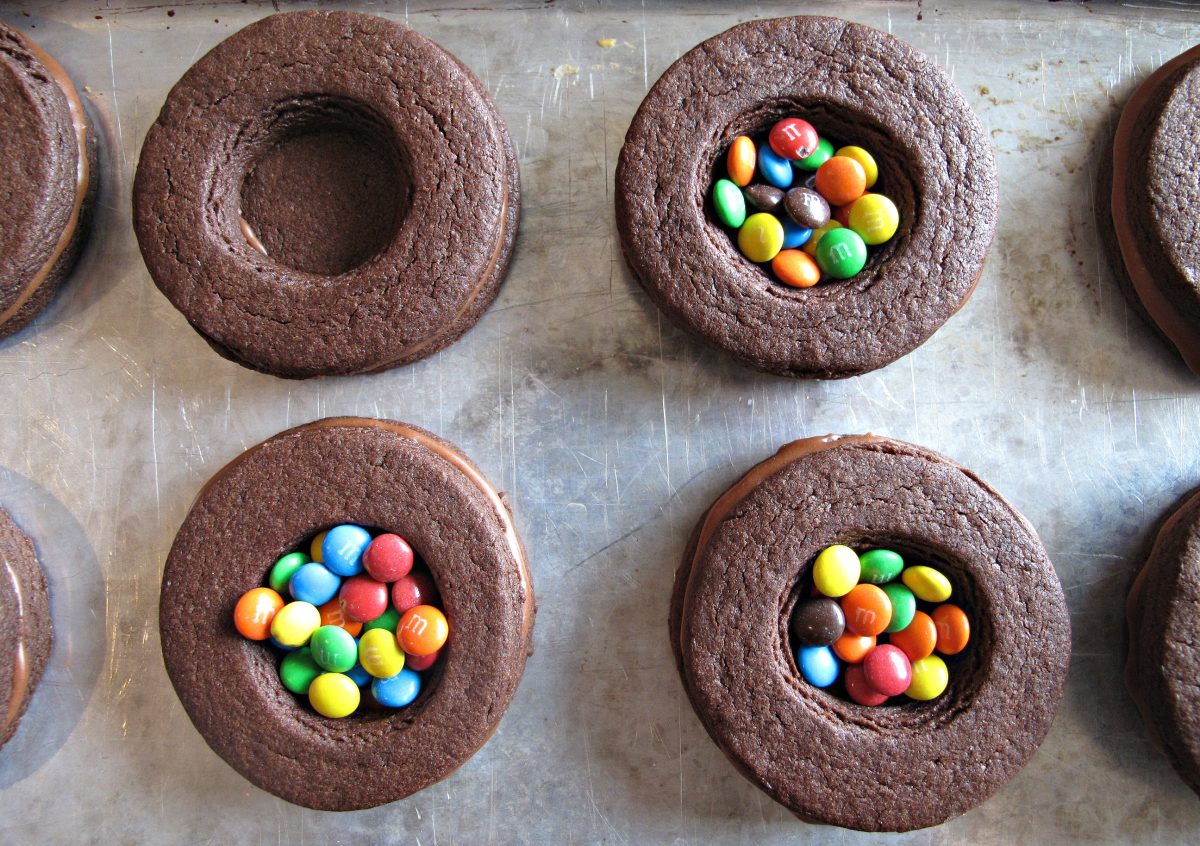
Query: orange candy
[[868, 610], [796, 268], [852, 648], [331, 615], [918, 639], [953, 629], [740, 161], [254, 612], [422, 630], [841, 180]]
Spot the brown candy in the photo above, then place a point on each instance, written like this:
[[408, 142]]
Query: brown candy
[[763, 197], [817, 622], [808, 208]]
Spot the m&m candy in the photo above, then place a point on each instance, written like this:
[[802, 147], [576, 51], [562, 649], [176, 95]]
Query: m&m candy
[[802, 188], [883, 621], [397, 691], [334, 695], [388, 557], [314, 583], [294, 623], [324, 657], [422, 630], [343, 548], [254, 612]]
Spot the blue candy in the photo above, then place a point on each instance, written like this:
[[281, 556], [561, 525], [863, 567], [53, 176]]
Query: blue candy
[[774, 168], [794, 235], [279, 645], [314, 583], [358, 675], [343, 547], [397, 691], [818, 665]]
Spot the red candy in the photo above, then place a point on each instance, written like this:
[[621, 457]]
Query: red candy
[[388, 558], [420, 663], [888, 670], [793, 138], [363, 598], [413, 590], [859, 689]]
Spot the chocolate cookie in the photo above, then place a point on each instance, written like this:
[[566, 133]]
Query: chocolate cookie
[[886, 768], [376, 473], [1164, 655], [328, 193], [25, 628], [857, 85], [1149, 227], [47, 178]]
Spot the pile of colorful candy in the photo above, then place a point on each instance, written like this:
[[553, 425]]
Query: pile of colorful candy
[[340, 632], [820, 228], [857, 600]]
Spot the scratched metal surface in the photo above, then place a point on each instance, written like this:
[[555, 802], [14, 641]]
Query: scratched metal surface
[[610, 430]]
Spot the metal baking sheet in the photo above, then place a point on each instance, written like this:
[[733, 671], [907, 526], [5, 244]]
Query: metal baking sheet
[[610, 430]]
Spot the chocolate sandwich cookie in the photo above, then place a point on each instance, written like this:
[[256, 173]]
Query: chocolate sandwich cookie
[[856, 85], [889, 767], [25, 628], [47, 178], [1148, 229], [328, 193], [1164, 655], [390, 477]]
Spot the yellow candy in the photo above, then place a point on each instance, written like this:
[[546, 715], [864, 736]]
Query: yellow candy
[[865, 159], [379, 653], [929, 679], [836, 570], [926, 583], [333, 695], [295, 622], [761, 237], [875, 218], [314, 551], [810, 246]]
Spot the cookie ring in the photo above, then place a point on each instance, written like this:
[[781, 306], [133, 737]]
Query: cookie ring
[[1149, 179], [360, 77], [380, 474], [891, 768], [1160, 670], [48, 169], [25, 625], [860, 86]]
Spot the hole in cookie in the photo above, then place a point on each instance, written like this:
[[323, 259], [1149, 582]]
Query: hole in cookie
[[841, 127], [964, 668], [383, 679], [325, 186]]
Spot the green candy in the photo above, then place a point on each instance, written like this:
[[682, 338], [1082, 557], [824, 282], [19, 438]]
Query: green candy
[[389, 619], [729, 203], [334, 649], [822, 154], [880, 566], [298, 670], [285, 567], [904, 606], [841, 253]]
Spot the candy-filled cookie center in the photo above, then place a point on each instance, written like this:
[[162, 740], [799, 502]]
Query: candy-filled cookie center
[[806, 207], [325, 190], [354, 618], [879, 627]]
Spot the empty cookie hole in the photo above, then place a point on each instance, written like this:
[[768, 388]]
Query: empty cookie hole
[[325, 187], [268, 657], [842, 127], [965, 670]]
